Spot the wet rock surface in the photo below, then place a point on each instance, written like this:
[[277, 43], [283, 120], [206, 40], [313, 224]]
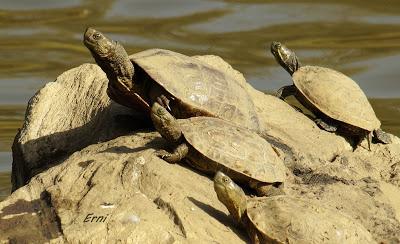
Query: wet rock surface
[[84, 171]]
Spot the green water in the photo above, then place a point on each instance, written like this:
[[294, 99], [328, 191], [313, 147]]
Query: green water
[[41, 39]]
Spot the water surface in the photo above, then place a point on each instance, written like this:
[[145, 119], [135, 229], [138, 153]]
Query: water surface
[[41, 39]]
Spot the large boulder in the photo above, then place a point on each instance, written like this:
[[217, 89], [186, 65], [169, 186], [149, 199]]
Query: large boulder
[[66, 115], [82, 171]]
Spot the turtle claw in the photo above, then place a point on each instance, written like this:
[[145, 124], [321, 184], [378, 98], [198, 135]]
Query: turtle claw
[[270, 190], [297, 109], [164, 101], [178, 154], [164, 155]]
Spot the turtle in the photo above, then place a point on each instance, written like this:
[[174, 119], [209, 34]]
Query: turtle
[[210, 144], [187, 86], [287, 219], [335, 99]]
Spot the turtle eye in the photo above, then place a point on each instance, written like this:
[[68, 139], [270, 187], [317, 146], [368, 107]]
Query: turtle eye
[[96, 36], [226, 180], [160, 111]]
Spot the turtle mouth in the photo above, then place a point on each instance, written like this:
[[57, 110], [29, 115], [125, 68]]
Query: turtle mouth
[[88, 39], [221, 180], [88, 33], [219, 189], [275, 47]]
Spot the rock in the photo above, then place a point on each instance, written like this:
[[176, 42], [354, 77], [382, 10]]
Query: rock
[[141, 198], [80, 174], [64, 116]]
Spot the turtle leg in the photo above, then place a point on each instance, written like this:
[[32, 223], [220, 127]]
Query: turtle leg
[[359, 139], [130, 100], [286, 91], [177, 155], [381, 136], [369, 139], [253, 233], [166, 124], [268, 189], [297, 109], [328, 126]]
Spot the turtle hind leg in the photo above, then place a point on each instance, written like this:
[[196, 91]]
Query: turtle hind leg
[[176, 156], [358, 140], [269, 190], [325, 125], [381, 137], [286, 91]]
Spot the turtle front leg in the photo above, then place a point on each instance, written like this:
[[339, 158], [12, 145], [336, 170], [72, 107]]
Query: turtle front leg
[[176, 156], [166, 124], [328, 126], [286, 91], [381, 136], [128, 99]]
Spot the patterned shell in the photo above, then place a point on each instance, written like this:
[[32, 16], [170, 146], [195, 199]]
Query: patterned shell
[[236, 148], [291, 220], [336, 95], [199, 85]]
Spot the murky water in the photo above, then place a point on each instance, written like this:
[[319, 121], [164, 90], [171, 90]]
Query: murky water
[[41, 39]]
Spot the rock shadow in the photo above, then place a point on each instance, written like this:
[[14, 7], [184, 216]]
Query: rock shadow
[[221, 217], [37, 215], [53, 148], [156, 143]]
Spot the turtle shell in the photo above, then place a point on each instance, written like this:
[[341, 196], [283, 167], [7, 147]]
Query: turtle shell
[[199, 86], [241, 153], [336, 95], [291, 220]]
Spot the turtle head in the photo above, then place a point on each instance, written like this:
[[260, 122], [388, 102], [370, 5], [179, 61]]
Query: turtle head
[[231, 195], [285, 57], [114, 61], [98, 44], [165, 123]]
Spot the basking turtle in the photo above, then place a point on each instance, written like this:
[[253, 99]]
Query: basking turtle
[[187, 86], [284, 219], [337, 101], [211, 144]]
